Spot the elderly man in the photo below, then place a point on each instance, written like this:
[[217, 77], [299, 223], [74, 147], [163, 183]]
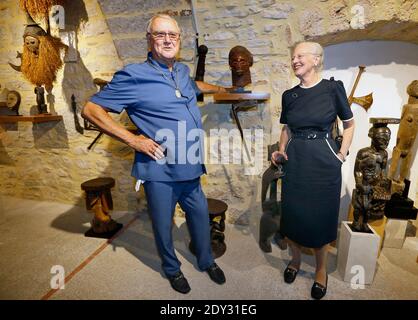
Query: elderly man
[[160, 98]]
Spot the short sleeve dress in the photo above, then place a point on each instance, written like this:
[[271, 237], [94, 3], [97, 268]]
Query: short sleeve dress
[[311, 186]]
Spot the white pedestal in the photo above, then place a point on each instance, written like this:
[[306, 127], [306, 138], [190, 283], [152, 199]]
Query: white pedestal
[[395, 233], [357, 254]]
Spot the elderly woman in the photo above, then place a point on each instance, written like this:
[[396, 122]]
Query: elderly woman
[[312, 161]]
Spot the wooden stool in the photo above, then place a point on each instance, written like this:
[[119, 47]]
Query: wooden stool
[[99, 200], [217, 209]]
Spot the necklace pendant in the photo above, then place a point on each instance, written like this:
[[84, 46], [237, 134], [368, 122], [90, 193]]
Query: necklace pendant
[[178, 93]]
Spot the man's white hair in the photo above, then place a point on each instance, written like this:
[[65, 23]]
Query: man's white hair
[[162, 16]]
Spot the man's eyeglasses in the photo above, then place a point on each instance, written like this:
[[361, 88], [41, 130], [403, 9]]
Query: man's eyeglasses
[[173, 36]]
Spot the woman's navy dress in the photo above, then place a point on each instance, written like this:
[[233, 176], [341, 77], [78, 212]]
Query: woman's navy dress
[[311, 186]]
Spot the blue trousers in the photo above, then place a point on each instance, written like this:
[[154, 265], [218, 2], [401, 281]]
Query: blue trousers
[[162, 198]]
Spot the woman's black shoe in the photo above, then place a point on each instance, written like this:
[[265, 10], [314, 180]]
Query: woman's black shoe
[[216, 274], [318, 290], [290, 274]]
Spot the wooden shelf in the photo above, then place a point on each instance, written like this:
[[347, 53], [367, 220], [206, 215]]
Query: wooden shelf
[[237, 97], [34, 119]]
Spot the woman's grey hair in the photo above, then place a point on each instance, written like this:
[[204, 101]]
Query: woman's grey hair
[[316, 49], [162, 16]]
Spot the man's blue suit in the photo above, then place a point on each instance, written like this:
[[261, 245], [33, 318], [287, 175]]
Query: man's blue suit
[[147, 92]]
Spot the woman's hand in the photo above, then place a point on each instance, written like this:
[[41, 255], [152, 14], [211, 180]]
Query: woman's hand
[[341, 156], [147, 146], [278, 157]]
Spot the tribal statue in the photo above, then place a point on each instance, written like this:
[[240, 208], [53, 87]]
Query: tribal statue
[[407, 133], [372, 189]]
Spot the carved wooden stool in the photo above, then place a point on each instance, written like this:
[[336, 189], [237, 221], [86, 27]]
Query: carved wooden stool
[[217, 209], [99, 200]]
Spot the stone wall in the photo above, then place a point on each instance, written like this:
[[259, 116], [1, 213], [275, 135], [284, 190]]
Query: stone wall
[[49, 161]]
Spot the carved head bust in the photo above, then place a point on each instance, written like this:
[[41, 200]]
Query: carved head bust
[[380, 136], [13, 100], [240, 61]]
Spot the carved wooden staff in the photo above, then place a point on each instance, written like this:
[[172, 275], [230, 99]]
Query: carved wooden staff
[[200, 69]]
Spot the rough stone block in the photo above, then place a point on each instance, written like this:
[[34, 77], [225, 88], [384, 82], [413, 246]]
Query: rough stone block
[[395, 233]]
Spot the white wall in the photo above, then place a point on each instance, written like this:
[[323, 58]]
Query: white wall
[[390, 68]]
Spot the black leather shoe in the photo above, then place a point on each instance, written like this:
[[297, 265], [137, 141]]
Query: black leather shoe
[[318, 290], [179, 282], [290, 274], [216, 274]]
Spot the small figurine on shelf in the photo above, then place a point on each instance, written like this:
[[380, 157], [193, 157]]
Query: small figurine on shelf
[[13, 101], [10, 101], [40, 100]]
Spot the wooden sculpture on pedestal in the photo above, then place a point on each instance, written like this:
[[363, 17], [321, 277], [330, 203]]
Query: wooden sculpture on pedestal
[[373, 188]]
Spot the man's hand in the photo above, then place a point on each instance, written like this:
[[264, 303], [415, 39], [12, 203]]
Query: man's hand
[[148, 146]]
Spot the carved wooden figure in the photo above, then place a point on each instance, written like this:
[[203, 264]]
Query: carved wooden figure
[[99, 200], [407, 133], [372, 187], [240, 61]]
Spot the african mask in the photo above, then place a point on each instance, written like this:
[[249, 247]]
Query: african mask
[[32, 44]]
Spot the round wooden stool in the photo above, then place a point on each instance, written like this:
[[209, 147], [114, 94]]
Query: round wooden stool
[[99, 200], [217, 209]]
